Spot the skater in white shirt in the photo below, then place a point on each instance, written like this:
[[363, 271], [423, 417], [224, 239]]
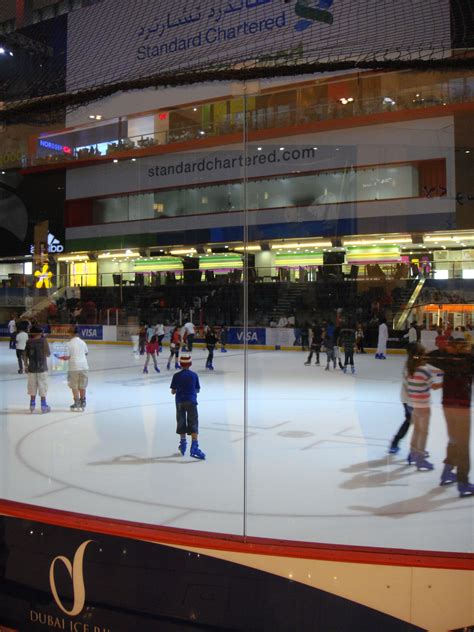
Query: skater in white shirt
[[78, 370]]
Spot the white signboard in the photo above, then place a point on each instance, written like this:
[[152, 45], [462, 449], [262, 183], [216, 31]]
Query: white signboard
[[118, 40]]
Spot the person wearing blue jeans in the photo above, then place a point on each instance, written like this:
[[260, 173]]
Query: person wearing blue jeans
[[185, 386]]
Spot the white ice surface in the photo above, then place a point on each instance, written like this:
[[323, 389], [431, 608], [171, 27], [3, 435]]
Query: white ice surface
[[315, 453]]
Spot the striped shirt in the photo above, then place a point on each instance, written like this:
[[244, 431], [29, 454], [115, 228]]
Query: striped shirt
[[418, 387]]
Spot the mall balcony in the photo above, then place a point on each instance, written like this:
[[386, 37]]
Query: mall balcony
[[317, 106]]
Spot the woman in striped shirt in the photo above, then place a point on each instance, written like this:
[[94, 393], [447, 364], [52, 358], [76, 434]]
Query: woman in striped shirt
[[418, 383]]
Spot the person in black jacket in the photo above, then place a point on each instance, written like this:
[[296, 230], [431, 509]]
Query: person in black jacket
[[457, 363], [211, 341], [37, 352]]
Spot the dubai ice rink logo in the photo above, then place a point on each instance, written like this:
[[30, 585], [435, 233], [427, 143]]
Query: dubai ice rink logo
[[311, 11]]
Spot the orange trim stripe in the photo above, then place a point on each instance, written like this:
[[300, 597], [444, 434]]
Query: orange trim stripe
[[238, 544]]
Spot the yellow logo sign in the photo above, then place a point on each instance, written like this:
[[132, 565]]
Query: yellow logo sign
[[76, 573], [43, 277]]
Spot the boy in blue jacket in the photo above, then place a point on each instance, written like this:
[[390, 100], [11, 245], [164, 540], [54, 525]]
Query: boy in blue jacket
[[185, 386]]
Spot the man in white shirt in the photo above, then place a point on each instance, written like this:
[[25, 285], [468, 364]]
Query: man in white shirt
[[412, 334], [189, 331], [21, 340], [77, 376], [12, 331]]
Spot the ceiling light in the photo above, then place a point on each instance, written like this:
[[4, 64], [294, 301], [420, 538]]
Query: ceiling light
[[2, 51], [183, 251], [314, 244], [282, 148], [247, 248], [259, 149], [134, 160], [115, 160]]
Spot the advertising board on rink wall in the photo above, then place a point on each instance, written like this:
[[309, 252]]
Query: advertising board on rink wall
[[52, 578], [162, 36]]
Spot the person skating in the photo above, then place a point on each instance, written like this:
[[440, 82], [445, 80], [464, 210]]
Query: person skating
[[37, 353], [211, 341], [142, 337], [185, 386], [78, 370], [347, 342], [223, 339], [152, 350], [315, 345], [337, 348], [360, 339], [160, 332], [189, 332], [175, 346], [382, 341], [418, 383], [457, 363], [12, 331], [328, 344], [20, 345]]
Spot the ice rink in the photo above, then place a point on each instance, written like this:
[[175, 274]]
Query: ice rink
[[314, 456]]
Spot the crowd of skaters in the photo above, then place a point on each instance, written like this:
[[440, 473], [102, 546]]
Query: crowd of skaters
[[449, 367]]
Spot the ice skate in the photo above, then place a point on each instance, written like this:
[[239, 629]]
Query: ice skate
[[182, 446], [195, 452], [393, 449], [307, 363], [327, 368], [145, 370], [82, 403], [32, 407], [223, 350], [422, 464], [176, 366], [448, 476], [168, 366], [210, 367], [344, 369], [465, 489], [377, 356], [353, 370], [76, 407], [45, 408], [157, 369]]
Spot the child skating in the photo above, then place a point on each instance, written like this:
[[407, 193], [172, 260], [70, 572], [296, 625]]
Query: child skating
[[152, 350], [37, 353], [175, 345], [78, 370], [185, 386]]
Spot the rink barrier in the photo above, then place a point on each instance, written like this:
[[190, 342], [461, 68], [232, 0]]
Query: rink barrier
[[258, 338], [239, 544]]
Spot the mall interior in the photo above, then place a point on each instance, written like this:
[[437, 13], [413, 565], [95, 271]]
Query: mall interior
[[268, 208]]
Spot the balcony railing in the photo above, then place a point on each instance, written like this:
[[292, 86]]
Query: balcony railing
[[268, 118]]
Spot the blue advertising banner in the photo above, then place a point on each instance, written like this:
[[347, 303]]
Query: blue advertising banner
[[91, 332], [253, 336]]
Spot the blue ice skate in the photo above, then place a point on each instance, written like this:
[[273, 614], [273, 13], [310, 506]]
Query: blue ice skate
[[182, 446], [465, 489], [195, 452], [157, 369], [145, 370], [45, 408], [448, 476]]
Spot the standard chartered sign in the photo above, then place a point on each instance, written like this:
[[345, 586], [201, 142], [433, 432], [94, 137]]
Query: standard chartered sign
[[174, 170], [146, 36]]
